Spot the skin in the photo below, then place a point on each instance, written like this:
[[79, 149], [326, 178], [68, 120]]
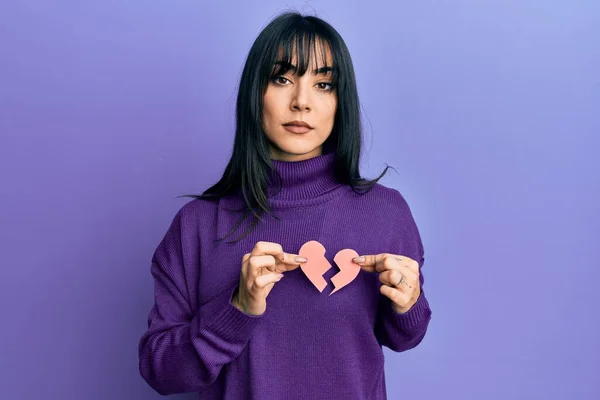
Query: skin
[[399, 275], [266, 264], [310, 98]]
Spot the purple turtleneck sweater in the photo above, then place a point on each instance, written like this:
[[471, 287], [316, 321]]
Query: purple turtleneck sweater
[[307, 344]]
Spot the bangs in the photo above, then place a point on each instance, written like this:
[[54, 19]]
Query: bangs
[[298, 51]]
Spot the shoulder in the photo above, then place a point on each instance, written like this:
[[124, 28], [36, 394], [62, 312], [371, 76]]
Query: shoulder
[[389, 199], [197, 207], [406, 238], [191, 214]]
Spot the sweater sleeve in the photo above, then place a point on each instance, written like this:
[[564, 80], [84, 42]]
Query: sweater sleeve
[[401, 332], [184, 348]]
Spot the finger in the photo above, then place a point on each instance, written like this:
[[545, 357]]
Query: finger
[[255, 263], [409, 262], [393, 278], [263, 280], [395, 295], [399, 263], [389, 262], [369, 262], [288, 261], [291, 261], [266, 248], [379, 263], [245, 265], [402, 268], [390, 277]]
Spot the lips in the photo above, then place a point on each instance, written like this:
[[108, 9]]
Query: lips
[[298, 123], [297, 127]]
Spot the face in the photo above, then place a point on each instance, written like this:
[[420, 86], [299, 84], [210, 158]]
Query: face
[[292, 101]]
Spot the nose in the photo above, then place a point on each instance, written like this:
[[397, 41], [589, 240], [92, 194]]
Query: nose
[[300, 99]]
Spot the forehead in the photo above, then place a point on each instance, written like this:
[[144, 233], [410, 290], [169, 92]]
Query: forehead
[[301, 52]]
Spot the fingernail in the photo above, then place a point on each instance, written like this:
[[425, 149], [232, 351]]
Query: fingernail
[[300, 259], [359, 259], [279, 276]]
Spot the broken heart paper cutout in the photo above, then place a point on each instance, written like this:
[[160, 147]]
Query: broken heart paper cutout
[[348, 269], [317, 265]]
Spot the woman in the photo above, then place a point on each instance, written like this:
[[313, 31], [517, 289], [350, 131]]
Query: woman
[[242, 319]]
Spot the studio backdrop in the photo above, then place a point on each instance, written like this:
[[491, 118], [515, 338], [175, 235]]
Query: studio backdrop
[[488, 111]]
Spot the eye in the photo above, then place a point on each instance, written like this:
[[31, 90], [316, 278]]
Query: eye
[[280, 80], [326, 86]]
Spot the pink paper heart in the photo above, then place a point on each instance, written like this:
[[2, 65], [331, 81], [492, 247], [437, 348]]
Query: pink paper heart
[[348, 269], [316, 265]]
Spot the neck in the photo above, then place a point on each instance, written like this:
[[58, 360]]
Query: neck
[[295, 184], [296, 181]]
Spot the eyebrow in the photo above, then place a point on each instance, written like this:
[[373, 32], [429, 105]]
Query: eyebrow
[[291, 67]]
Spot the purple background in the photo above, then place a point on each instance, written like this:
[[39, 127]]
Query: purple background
[[489, 111]]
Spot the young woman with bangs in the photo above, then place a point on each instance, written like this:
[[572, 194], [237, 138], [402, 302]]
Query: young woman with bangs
[[242, 318]]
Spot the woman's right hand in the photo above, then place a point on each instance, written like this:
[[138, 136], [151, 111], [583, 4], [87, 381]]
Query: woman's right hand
[[261, 269]]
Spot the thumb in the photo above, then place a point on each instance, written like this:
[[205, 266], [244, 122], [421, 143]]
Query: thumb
[[289, 262], [368, 262], [263, 280]]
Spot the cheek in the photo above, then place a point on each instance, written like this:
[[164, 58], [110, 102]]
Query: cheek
[[267, 110], [330, 110], [270, 108]]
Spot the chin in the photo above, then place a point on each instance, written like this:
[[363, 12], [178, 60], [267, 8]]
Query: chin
[[298, 150]]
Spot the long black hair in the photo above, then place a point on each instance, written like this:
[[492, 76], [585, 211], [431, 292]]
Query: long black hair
[[249, 169]]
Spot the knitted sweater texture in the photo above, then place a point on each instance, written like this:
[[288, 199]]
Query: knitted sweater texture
[[307, 344]]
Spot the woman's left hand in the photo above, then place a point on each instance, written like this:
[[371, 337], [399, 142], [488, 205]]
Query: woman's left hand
[[399, 275]]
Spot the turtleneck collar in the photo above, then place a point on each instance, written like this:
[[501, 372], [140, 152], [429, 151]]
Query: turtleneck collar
[[303, 182]]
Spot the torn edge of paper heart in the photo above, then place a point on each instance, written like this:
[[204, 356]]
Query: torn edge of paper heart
[[315, 251], [348, 269]]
